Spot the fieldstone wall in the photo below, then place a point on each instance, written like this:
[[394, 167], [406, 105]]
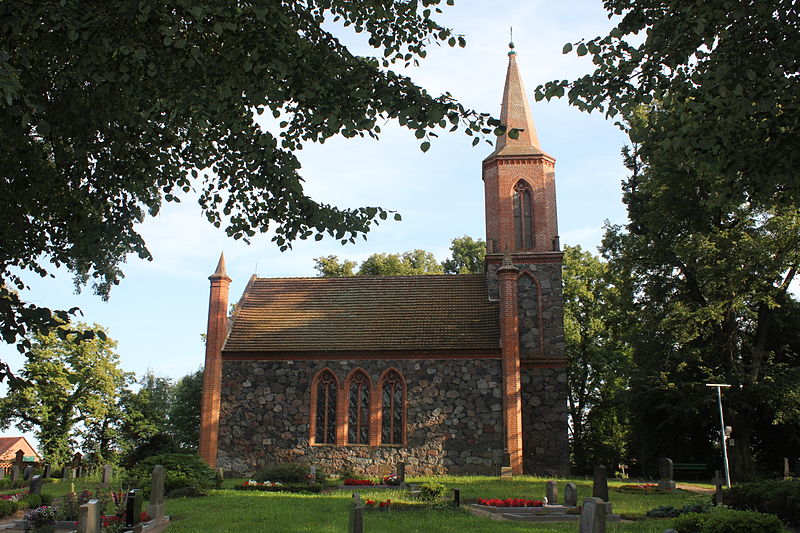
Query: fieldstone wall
[[548, 278], [545, 445], [454, 417]]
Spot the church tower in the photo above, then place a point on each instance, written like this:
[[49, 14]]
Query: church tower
[[523, 263]]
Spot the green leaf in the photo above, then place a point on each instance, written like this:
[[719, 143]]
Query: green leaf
[[425, 146]]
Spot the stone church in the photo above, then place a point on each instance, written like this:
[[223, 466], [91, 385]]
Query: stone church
[[447, 373]]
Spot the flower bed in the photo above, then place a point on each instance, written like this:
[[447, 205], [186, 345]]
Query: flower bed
[[358, 482], [391, 480], [381, 505], [644, 488], [510, 502]]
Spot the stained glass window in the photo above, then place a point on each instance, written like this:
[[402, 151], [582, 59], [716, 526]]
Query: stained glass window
[[392, 409], [358, 411], [326, 409]]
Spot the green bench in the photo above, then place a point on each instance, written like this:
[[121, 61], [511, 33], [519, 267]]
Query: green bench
[[698, 469]]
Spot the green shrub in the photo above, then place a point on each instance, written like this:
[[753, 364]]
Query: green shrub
[[431, 491], [777, 497], [47, 499], [7, 507], [667, 511], [285, 473], [32, 501], [728, 521], [182, 471]]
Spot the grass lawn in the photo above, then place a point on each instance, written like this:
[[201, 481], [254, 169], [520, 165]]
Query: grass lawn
[[230, 511]]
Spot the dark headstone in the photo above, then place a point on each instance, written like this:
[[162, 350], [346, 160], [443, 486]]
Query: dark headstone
[[36, 484], [401, 472], [2, 473], [506, 459], [665, 474], [717, 487], [457, 497], [551, 492], [64, 472], [571, 495], [593, 516], [133, 507], [14, 473], [600, 484], [19, 457], [46, 474], [77, 458], [787, 471], [27, 473], [155, 508], [107, 473]]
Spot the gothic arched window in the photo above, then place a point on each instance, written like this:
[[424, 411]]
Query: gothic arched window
[[358, 408], [523, 217], [393, 403], [325, 408]]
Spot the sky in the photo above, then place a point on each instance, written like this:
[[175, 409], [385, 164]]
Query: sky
[[159, 310]]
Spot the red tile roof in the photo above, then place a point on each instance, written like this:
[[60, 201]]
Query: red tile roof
[[448, 313], [10, 445]]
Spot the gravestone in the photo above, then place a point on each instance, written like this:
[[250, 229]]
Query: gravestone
[[551, 492], [593, 516], [312, 475], [787, 471], [717, 487], [221, 473], [133, 508], [356, 524], [46, 471], [107, 473], [155, 508], [36, 484], [73, 473], [505, 471], [457, 498], [19, 457], [600, 484], [89, 517], [2, 473], [571, 495], [665, 474], [27, 473], [64, 472], [14, 474], [401, 472]]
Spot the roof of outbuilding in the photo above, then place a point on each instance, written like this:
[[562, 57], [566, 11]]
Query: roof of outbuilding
[[365, 314]]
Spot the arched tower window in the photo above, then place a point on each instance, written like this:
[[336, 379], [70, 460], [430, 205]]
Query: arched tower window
[[325, 408], [393, 404], [523, 216], [358, 408]]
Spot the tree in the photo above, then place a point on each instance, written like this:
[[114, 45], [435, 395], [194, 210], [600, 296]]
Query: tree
[[65, 384], [329, 266], [598, 363], [109, 109], [184, 415], [145, 412], [467, 256], [707, 268], [731, 67]]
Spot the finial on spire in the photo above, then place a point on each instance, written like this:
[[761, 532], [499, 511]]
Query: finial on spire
[[511, 41]]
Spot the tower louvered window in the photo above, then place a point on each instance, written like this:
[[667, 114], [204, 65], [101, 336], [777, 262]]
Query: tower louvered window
[[523, 217], [326, 409], [392, 409], [358, 412]]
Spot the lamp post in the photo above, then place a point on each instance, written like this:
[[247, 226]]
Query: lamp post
[[723, 433]]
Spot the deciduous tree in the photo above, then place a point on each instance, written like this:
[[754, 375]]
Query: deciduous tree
[[65, 384], [109, 109]]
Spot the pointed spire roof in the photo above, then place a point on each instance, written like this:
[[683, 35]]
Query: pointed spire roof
[[515, 112], [220, 271]]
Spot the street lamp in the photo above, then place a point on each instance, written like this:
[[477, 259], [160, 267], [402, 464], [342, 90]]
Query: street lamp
[[724, 431]]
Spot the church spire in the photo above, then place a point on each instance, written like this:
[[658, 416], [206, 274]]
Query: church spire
[[515, 112]]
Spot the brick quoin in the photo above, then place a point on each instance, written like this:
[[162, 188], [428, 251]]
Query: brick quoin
[[509, 339], [216, 332]]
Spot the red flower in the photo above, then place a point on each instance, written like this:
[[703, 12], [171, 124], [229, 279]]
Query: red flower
[[350, 481], [510, 502]]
